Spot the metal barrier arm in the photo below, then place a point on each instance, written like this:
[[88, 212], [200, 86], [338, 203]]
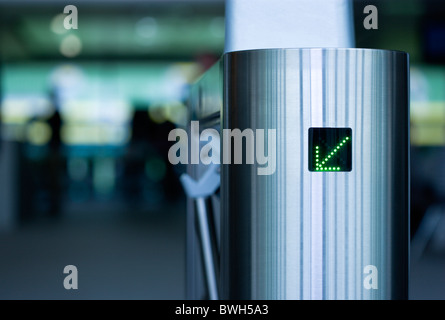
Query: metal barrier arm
[[199, 191]]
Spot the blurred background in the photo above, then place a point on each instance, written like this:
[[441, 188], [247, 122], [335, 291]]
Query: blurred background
[[85, 114]]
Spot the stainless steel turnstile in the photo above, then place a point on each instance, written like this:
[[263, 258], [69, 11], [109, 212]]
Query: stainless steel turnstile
[[308, 231]]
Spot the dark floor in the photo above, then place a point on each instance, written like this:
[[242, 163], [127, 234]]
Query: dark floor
[[427, 281], [132, 254], [118, 254]]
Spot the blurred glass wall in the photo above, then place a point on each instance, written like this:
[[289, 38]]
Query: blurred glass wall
[[85, 115], [91, 107]]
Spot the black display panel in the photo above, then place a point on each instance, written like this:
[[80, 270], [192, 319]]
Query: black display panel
[[330, 149]]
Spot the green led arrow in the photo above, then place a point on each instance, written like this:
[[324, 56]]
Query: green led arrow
[[320, 165]]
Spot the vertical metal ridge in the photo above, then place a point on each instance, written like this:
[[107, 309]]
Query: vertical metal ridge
[[283, 165], [346, 186], [307, 209], [364, 113], [336, 242], [324, 230], [302, 168], [317, 212]]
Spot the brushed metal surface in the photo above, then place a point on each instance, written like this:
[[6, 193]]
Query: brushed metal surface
[[298, 234]]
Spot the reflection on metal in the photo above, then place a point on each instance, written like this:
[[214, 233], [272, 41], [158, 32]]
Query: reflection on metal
[[299, 234]]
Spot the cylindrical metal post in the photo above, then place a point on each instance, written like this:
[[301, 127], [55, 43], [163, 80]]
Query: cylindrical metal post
[[303, 234]]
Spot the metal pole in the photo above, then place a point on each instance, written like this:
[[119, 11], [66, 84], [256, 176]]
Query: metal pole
[[205, 239]]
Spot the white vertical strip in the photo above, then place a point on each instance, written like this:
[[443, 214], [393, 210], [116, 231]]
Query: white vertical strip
[[363, 174], [261, 24], [317, 181], [369, 206], [331, 196]]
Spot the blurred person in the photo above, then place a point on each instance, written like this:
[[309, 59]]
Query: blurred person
[[55, 161]]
